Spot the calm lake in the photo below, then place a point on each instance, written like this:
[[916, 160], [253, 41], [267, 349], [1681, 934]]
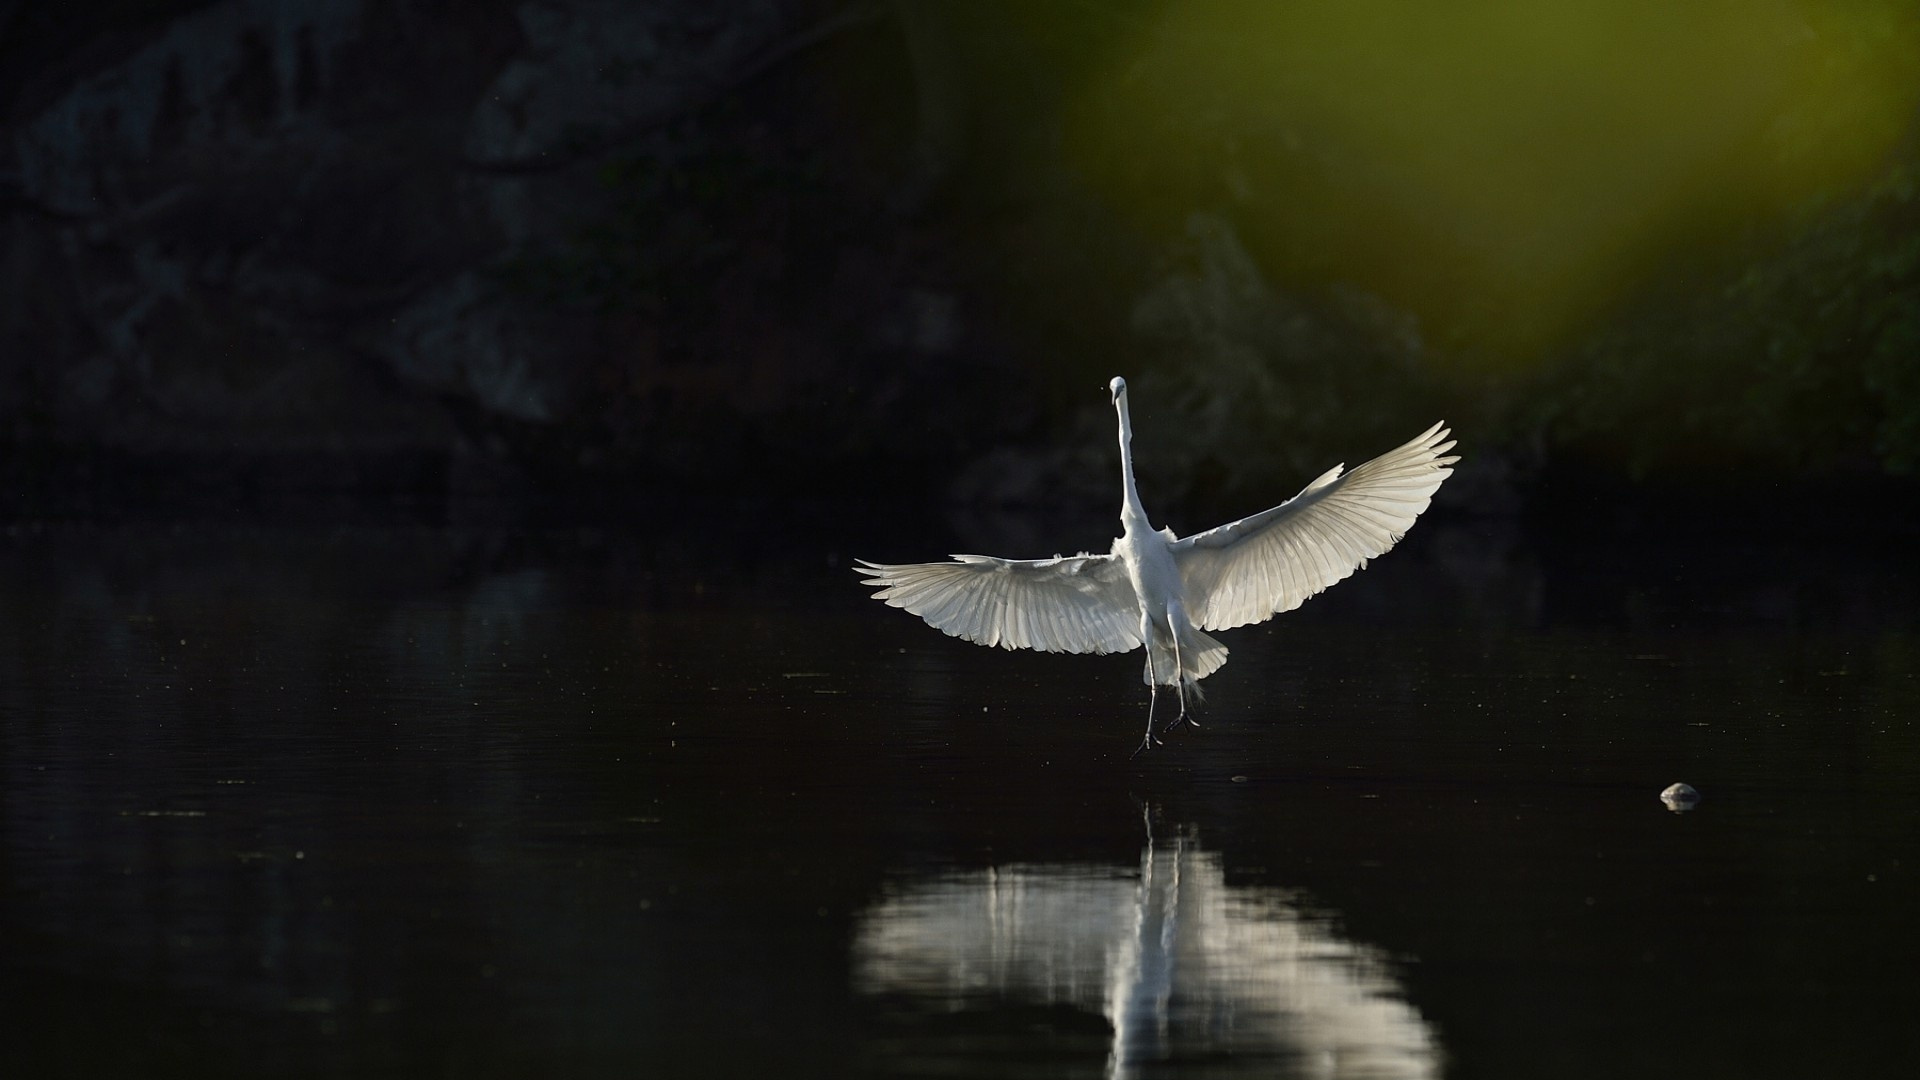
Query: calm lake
[[407, 802]]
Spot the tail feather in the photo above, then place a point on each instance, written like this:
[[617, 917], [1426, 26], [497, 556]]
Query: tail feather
[[1200, 656]]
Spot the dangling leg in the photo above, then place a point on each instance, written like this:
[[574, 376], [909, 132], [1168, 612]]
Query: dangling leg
[[1180, 678], [1179, 682], [1148, 739], [1153, 697], [1153, 688], [1179, 670], [1185, 713]]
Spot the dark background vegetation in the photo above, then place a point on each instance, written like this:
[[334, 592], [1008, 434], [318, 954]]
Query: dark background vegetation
[[571, 254]]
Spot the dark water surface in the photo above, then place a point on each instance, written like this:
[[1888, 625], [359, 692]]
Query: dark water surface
[[393, 802]]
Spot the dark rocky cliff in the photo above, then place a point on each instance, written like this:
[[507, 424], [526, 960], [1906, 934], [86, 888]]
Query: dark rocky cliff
[[365, 245], [255, 250]]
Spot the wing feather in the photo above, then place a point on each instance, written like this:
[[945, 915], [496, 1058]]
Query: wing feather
[[1077, 604], [1255, 568]]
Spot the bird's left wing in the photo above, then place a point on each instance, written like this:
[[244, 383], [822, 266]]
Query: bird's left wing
[[1260, 566], [1076, 604]]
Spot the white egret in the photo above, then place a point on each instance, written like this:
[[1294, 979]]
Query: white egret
[[1164, 592]]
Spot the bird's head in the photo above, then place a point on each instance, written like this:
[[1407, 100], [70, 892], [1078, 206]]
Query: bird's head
[[1117, 387]]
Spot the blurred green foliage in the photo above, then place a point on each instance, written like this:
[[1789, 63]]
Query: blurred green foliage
[[1651, 236], [1655, 238], [1791, 352], [1798, 349], [1506, 172], [1251, 386]]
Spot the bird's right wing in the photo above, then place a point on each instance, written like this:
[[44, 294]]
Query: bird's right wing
[[1076, 604], [1260, 566]]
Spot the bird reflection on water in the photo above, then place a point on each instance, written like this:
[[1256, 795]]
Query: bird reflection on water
[[1189, 974]]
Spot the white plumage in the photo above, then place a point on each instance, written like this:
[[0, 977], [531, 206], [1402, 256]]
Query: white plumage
[[1156, 589]]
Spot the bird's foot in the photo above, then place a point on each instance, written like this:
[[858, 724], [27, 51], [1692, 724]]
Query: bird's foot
[[1147, 743], [1183, 718]]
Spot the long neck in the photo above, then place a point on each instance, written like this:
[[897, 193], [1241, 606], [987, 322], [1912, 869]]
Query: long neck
[[1129, 493]]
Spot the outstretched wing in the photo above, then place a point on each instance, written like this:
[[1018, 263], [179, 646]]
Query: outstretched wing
[[1077, 604], [1262, 565]]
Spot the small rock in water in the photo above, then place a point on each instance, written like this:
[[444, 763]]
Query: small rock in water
[[1680, 797]]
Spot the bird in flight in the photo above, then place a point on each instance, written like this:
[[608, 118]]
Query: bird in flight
[[1163, 591]]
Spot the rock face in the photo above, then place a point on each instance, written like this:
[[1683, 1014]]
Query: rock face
[[351, 235], [221, 233]]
